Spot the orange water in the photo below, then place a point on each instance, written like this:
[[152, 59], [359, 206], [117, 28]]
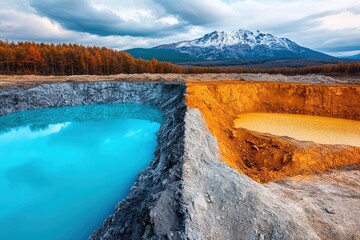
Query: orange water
[[322, 130]]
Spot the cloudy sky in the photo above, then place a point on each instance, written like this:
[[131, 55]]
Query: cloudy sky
[[330, 26]]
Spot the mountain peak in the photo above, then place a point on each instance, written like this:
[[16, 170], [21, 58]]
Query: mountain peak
[[232, 46], [248, 38]]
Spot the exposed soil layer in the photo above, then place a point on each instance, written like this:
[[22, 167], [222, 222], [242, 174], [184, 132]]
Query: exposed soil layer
[[265, 157]]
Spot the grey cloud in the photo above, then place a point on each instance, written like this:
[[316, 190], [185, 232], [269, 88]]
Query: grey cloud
[[82, 17], [354, 9], [200, 12], [305, 32], [301, 24], [340, 44], [328, 41], [336, 48]]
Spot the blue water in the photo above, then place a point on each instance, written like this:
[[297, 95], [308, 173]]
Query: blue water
[[62, 170]]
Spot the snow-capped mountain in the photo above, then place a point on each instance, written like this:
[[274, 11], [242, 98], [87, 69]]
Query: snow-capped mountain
[[241, 44], [225, 47], [240, 37]]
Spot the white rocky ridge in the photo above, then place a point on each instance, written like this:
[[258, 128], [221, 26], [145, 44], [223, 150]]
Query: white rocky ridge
[[240, 37]]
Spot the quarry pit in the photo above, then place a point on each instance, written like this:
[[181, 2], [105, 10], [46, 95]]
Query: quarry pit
[[210, 180], [266, 157]]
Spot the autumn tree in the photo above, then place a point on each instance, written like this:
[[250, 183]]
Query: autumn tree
[[70, 59]]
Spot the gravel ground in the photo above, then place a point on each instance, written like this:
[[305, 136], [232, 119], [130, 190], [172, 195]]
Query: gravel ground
[[26, 80]]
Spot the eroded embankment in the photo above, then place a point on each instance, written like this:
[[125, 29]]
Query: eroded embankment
[[265, 157]]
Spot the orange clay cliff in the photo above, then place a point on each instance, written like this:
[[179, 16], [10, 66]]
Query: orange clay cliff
[[265, 157]]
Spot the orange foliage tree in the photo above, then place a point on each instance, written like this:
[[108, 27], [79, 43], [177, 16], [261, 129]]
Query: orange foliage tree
[[74, 59]]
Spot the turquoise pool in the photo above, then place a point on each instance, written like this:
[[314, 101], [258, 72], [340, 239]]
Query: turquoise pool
[[62, 170]]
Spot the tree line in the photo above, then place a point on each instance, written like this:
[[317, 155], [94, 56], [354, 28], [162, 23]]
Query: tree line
[[74, 59]]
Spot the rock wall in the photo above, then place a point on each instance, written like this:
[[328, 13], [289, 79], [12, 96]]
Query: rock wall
[[70, 94], [339, 101]]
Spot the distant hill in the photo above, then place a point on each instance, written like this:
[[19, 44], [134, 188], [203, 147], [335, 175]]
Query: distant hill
[[355, 57], [162, 54], [231, 48]]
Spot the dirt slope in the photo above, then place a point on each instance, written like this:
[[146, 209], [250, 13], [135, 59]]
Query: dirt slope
[[265, 157]]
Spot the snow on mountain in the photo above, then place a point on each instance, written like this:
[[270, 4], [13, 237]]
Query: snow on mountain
[[242, 44], [240, 37]]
